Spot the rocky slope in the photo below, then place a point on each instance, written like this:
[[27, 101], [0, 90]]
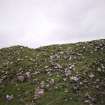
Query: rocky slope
[[69, 74]]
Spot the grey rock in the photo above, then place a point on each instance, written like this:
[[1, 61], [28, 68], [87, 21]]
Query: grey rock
[[38, 93], [9, 97], [20, 78]]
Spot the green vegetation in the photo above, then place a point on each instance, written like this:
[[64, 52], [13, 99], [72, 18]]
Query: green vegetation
[[68, 74]]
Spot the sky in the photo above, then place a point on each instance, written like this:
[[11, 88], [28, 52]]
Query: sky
[[35, 23]]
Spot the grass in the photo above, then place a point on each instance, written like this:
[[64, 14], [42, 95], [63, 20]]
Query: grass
[[87, 57]]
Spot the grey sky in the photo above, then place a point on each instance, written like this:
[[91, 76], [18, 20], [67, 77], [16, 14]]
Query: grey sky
[[35, 23]]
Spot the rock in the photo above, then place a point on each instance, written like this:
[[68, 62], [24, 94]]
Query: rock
[[28, 75], [72, 67], [67, 72], [70, 58], [75, 78], [99, 69], [83, 47], [64, 79], [81, 83], [20, 78], [9, 97], [38, 93], [36, 72], [102, 66], [42, 84], [61, 52], [49, 74], [87, 101], [54, 57], [46, 67], [47, 86], [52, 81], [91, 75], [58, 66]]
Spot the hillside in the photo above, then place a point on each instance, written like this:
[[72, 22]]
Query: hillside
[[67, 74]]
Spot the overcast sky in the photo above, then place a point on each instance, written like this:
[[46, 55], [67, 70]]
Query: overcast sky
[[36, 23]]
